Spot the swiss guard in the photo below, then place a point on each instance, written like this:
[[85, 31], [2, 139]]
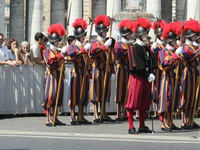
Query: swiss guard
[[98, 54], [79, 83], [122, 67], [167, 62], [53, 59], [157, 46], [142, 63], [190, 58]]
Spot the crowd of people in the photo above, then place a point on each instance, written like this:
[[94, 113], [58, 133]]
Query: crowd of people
[[164, 73]]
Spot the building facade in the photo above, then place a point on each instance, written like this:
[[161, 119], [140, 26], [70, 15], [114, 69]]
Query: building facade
[[21, 19]]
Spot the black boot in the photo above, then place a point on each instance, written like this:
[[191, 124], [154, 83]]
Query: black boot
[[144, 130], [132, 131]]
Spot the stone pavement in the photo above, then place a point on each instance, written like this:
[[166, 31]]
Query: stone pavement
[[35, 125]]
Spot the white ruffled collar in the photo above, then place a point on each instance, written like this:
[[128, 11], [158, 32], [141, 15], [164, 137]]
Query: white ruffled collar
[[100, 38], [53, 47], [159, 41], [124, 40], [187, 41], [168, 46], [139, 42], [78, 43]]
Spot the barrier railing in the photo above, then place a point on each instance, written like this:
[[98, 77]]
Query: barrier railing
[[22, 90]]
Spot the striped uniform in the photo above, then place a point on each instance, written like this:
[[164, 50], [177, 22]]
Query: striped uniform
[[76, 55], [98, 55], [122, 73], [167, 63], [190, 72], [52, 61], [156, 85]]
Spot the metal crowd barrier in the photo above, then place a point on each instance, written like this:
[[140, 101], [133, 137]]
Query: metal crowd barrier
[[22, 90]]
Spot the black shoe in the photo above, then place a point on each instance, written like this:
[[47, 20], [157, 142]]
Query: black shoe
[[125, 118], [49, 124], [84, 122], [186, 126], [165, 128], [196, 126], [97, 121], [144, 130], [175, 127], [108, 119], [73, 123], [119, 119], [59, 123], [132, 131]]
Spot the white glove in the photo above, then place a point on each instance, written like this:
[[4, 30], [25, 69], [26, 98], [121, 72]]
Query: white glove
[[178, 51], [108, 43], [113, 76], [64, 49], [88, 46], [151, 77], [154, 45], [195, 43]]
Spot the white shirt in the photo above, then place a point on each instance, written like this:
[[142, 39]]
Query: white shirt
[[35, 51], [4, 53]]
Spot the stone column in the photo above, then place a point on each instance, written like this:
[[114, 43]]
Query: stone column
[[76, 12], [166, 11], [193, 9], [2, 16], [181, 10], [154, 7], [58, 11], [46, 14], [17, 20], [35, 18], [109, 11]]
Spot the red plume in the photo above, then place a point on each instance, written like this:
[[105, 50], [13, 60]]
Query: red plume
[[102, 19], [191, 25], [178, 27], [171, 27], [143, 22], [57, 28], [126, 23], [80, 22], [160, 23]]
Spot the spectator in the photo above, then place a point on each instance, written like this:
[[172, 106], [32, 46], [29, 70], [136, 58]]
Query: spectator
[[43, 46], [24, 54], [35, 48], [13, 51], [4, 56]]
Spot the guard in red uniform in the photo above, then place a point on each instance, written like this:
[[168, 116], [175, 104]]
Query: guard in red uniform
[[98, 54], [157, 46], [52, 59], [122, 67], [142, 64], [190, 57], [79, 82]]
